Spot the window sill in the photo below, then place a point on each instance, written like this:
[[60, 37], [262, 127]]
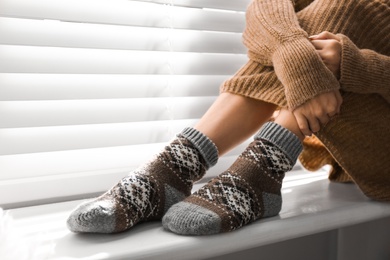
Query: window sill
[[308, 209]]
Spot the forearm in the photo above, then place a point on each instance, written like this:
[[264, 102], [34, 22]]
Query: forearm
[[364, 71], [274, 38], [300, 4], [270, 23]]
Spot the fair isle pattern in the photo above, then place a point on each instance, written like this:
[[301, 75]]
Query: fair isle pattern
[[135, 195], [184, 160], [139, 194], [247, 191], [233, 194], [142, 195], [240, 200], [277, 161]]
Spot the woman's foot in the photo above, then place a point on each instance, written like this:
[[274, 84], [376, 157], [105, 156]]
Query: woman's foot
[[148, 192], [247, 191]]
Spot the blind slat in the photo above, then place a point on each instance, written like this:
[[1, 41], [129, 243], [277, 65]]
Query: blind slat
[[123, 12], [31, 59], [14, 191], [73, 161], [66, 34], [94, 88], [15, 114], [47, 139], [234, 5], [21, 86], [85, 160]]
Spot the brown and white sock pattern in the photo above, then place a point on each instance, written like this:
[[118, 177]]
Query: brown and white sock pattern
[[247, 191], [148, 192]]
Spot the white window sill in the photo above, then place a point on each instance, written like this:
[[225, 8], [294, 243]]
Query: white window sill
[[311, 205]]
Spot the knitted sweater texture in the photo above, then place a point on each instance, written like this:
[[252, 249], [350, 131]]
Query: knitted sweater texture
[[284, 69]]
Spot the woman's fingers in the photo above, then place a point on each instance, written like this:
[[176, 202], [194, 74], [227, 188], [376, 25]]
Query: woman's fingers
[[325, 35], [339, 101], [324, 119], [330, 52], [317, 112], [310, 125], [314, 125], [318, 44], [302, 124]]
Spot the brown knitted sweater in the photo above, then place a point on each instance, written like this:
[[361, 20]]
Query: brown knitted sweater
[[284, 69]]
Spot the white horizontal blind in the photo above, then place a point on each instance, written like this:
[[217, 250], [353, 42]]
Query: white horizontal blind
[[90, 89]]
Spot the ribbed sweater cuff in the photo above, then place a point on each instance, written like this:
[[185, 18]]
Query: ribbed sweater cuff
[[302, 72], [247, 81], [283, 138], [364, 71], [205, 146], [300, 4]]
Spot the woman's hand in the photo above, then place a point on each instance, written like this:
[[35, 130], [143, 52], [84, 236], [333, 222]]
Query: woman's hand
[[328, 46], [318, 111]]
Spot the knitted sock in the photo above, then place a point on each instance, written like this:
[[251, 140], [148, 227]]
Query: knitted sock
[[147, 193], [247, 191]]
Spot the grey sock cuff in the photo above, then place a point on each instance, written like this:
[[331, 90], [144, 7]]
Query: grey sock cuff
[[283, 138], [205, 146]]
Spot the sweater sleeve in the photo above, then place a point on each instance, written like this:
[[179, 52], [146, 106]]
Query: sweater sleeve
[[274, 37], [364, 71], [300, 4]]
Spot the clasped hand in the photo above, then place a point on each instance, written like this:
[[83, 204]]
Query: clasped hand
[[319, 110]]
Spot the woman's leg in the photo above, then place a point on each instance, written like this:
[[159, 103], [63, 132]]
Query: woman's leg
[[250, 189], [232, 119], [147, 193], [287, 120]]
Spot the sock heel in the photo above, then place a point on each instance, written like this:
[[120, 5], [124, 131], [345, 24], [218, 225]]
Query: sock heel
[[272, 204]]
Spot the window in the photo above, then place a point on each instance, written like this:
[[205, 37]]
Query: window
[[90, 89]]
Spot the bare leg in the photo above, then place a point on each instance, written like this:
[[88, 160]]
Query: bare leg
[[232, 119], [287, 119], [168, 178], [249, 190]]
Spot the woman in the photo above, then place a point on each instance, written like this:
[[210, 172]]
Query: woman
[[334, 85]]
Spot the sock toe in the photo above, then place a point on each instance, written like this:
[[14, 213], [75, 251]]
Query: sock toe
[[93, 217], [189, 219]]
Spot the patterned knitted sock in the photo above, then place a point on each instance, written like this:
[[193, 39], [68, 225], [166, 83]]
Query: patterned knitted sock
[[147, 193], [247, 191]]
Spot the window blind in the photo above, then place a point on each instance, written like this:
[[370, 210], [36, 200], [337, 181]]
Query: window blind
[[90, 89]]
